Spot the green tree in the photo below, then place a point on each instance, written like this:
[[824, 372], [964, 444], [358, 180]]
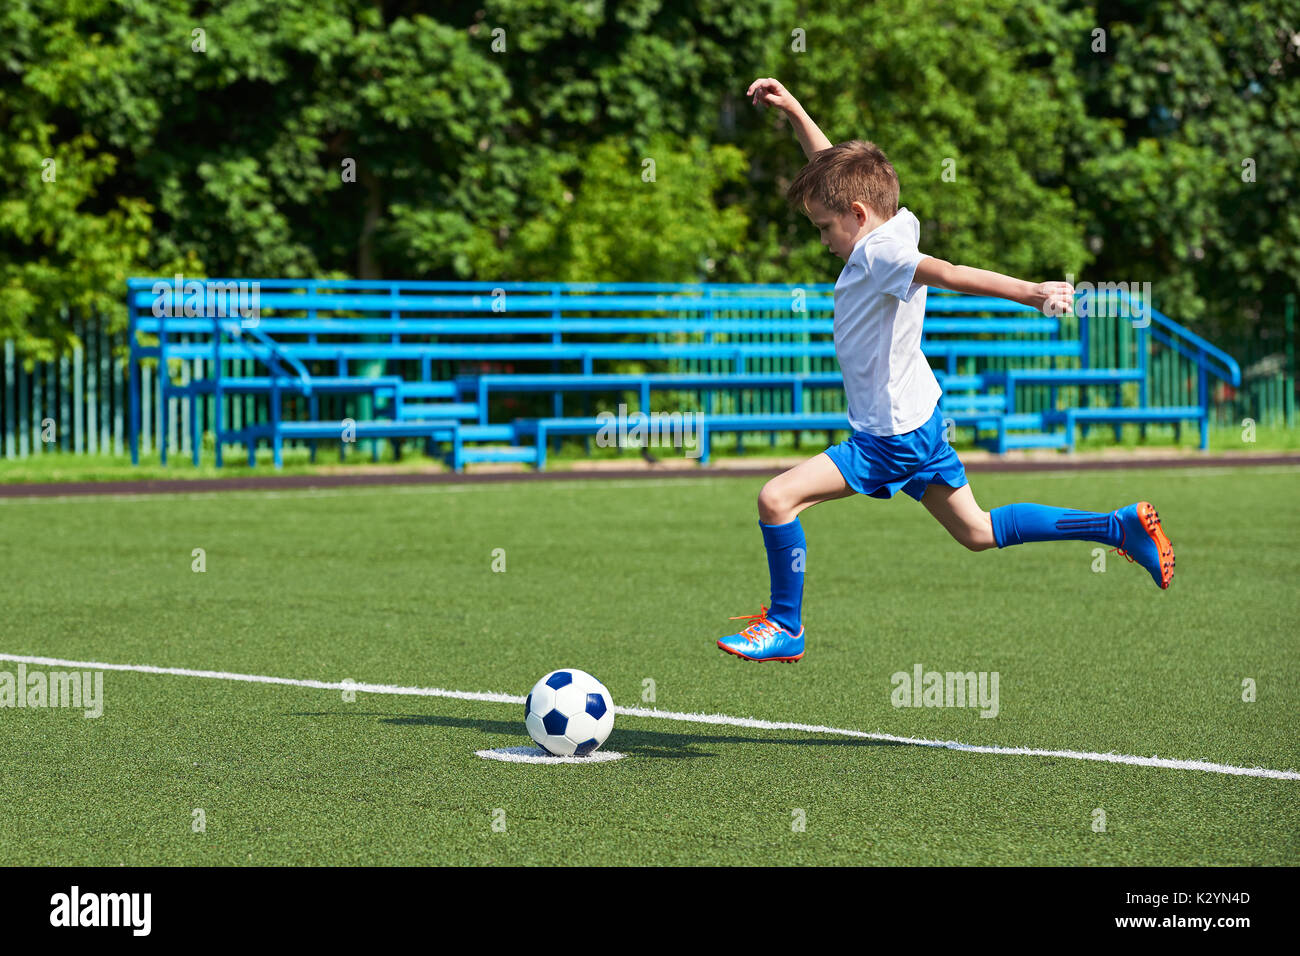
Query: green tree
[[969, 102], [504, 139], [1194, 101]]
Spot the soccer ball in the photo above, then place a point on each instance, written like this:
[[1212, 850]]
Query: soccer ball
[[569, 713]]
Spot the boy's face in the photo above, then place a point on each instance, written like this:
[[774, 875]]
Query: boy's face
[[841, 232]]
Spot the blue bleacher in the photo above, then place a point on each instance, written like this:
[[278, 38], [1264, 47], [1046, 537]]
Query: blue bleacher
[[310, 338]]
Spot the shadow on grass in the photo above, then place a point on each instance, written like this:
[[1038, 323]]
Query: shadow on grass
[[642, 743]]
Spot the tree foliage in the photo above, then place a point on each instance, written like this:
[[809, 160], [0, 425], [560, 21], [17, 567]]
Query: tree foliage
[[511, 139]]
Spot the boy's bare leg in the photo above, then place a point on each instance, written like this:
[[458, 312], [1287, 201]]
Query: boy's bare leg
[[956, 510], [803, 486]]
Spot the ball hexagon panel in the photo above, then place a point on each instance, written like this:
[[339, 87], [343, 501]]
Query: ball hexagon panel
[[581, 727], [536, 730], [559, 746], [571, 699], [604, 726], [543, 699]]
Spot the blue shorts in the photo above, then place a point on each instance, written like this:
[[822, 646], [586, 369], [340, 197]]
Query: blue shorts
[[879, 465]]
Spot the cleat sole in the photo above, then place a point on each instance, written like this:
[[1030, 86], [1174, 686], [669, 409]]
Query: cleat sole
[[1150, 519]]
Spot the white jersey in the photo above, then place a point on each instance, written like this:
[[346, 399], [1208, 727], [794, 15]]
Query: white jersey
[[879, 311]]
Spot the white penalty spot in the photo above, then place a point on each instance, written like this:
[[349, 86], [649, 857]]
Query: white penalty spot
[[538, 755]]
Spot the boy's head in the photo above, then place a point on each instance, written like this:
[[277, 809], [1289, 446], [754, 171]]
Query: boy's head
[[846, 190]]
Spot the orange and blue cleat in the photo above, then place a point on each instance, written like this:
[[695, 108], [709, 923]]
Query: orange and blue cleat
[[1145, 541], [764, 640]]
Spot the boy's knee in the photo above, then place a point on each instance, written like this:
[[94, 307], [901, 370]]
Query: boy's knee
[[979, 535], [773, 504]]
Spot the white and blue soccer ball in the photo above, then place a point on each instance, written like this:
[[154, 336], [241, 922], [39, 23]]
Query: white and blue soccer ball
[[569, 713]]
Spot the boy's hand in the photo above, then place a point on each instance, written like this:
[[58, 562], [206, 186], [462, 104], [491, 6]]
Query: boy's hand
[[770, 92], [1053, 298]]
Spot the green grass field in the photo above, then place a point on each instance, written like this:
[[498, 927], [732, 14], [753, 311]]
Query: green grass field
[[634, 581]]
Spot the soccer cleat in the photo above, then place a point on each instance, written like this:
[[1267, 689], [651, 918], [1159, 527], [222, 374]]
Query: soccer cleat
[[763, 640], [1145, 542]]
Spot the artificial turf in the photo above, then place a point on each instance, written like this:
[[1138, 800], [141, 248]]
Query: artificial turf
[[634, 581]]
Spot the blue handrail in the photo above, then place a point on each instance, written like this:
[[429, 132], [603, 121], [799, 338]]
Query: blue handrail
[[1230, 372], [271, 360], [274, 352]]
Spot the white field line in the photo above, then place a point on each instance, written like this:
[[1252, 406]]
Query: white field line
[[589, 484], [715, 719]]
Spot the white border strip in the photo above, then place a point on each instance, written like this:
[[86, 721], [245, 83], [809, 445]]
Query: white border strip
[[716, 719]]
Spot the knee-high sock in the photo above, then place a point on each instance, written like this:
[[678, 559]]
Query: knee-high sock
[[786, 556], [1019, 523]]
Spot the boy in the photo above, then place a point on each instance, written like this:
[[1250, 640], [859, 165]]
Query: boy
[[850, 192]]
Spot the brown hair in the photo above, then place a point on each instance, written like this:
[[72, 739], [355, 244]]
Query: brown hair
[[856, 171]]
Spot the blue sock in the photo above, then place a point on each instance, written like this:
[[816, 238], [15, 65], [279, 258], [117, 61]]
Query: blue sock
[[1019, 523], [787, 554]]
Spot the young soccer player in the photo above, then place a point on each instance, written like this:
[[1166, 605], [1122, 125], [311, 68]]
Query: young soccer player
[[850, 192]]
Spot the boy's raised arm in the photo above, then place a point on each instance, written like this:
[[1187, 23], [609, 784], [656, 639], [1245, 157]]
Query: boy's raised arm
[[1050, 298], [769, 92]]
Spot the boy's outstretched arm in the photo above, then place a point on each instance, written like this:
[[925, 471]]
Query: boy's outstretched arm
[[1050, 298], [769, 92]]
